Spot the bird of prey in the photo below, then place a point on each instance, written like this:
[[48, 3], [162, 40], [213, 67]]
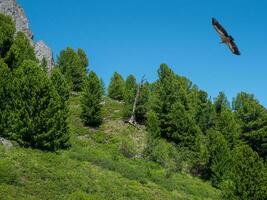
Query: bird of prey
[[225, 38]]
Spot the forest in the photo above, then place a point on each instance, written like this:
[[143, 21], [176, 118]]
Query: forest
[[217, 142]]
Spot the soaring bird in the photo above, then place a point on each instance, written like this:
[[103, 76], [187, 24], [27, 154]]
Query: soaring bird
[[225, 38]]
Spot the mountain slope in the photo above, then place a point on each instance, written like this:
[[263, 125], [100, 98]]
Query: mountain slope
[[101, 164]]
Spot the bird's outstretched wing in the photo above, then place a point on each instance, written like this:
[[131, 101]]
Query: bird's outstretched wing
[[218, 27], [233, 47]]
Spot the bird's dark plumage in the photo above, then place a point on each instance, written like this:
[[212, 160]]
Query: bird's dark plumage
[[225, 37]]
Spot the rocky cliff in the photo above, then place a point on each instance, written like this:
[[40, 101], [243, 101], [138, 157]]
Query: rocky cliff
[[11, 8]]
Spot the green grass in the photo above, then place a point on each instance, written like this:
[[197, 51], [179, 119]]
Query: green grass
[[105, 163]]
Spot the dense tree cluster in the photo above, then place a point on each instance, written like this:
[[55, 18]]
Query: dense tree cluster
[[225, 144], [32, 108]]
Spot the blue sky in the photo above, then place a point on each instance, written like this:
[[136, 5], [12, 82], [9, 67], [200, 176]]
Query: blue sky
[[136, 36]]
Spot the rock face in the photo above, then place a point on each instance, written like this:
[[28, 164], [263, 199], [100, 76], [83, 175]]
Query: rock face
[[11, 8], [43, 51]]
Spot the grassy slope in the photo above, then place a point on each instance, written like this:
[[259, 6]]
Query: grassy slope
[[94, 167]]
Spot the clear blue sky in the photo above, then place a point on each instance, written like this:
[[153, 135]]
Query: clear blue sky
[[136, 36]]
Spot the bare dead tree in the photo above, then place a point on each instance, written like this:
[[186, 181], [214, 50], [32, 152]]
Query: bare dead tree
[[132, 119]]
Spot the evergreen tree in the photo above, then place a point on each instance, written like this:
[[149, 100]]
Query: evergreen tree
[[253, 119], [91, 101], [225, 121], [247, 178], [83, 59], [36, 116], [221, 103], [19, 51], [7, 31], [61, 85], [73, 67], [219, 157], [182, 128], [43, 65], [152, 125], [116, 89], [5, 97], [201, 108]]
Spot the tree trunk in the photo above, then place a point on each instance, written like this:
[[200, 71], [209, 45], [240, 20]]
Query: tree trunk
[[132, 119]]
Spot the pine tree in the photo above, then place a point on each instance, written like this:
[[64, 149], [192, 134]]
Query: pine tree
[[60, 84], [253, 120], [83, 59], [116, 89], [182, 128], [36, 116], [91, 101], [219, 157], [5, 97], [19, 51], [247, 178], [73, 67], [224, 120], [7, 31]]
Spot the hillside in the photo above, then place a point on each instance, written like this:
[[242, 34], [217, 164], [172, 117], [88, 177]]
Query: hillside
[[100, 164]]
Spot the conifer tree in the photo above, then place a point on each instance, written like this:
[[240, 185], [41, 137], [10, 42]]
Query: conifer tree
[[19, 51], [91, 101], [73, 66], [83, 59], [36, 115], [116, 89], [60, 84], [219, 157], [5, 97], [224, 120], [253, 120], [247, 178], [7, 31]]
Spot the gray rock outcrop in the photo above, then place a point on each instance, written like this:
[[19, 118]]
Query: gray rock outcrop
[[6, 143], [11, 8], [42, 51]]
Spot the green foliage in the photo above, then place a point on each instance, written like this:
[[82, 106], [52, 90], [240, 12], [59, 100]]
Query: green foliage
[[73, 66], [127, 148], [247, 178], [253, 121], [19, 51], [91, 101], [5, 96], [219, 157], [116, 89], [36, 118], [152, 124], [8, 174], [61, 85], [83, 58], [183, 129], [221, 103], [43, 65], [7, 31], [88, 169], [202, 109]]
